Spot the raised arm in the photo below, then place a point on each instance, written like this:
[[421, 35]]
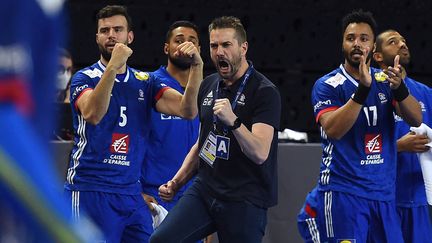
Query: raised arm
[[172, 102], [407, 106], [338, 122], [93, 104]]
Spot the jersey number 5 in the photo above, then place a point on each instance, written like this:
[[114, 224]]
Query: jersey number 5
[[123, 116]]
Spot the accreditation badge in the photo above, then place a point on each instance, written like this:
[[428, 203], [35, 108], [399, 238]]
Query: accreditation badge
[[222, 147], [208, 150]]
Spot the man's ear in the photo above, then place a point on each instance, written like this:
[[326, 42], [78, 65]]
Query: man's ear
[[130, 37], [378, 57], [166, 49]]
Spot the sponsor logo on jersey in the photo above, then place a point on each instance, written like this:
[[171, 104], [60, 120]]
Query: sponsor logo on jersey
[[119, 143], [209, 99], [168, 117], [116, 159], [380, 77], [93, 73], [320, 103], [78, 90], [382, 98], [373, 143], [241, 100], [336, 80], [373, 148], [143, 76]]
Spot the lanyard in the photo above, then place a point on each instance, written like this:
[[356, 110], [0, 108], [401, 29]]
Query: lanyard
[[234, 102]]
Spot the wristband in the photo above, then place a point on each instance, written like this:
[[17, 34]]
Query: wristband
[[401, 92], [361, 94]]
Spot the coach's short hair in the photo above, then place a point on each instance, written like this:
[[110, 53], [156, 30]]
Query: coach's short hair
[[229, 22]]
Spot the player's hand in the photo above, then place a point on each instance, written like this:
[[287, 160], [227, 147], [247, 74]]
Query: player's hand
[[148, 200], [223, 110], [120, 55], [411, 142], [365, 76], [188, 50], [168, 190], [394, 73]]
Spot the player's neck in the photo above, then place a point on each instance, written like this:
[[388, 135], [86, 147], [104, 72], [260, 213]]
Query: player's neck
[[353, 71], [181, 75], [105, 63]]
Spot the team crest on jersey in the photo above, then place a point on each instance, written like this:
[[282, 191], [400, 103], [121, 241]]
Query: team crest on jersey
[[423, 107], [373, 143], [208, 100], [382, 98], [120, 143], [336, 80], [346, 241], [381, 76], [143, 76], [140, 94], [241, 100], [397, 118]]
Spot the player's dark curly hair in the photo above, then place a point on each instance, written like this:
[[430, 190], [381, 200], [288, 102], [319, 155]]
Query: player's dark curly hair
[[181, 23], [359, 16]]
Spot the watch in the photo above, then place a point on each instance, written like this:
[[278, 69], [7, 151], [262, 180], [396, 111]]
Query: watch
[[237, 124]]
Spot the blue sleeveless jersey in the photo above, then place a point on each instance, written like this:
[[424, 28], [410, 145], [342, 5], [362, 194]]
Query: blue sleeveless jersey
[[410, 189], [363, 161], [108, 157], [170, 140]]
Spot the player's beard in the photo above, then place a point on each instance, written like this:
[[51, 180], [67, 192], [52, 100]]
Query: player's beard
[[233, 65], [181, 63], [351, 61], [404, 60]]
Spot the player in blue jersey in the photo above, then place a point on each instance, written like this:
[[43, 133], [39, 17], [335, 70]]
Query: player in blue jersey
[[31, 206], [171, 137], [111, 105], [410, 190], [306, 219], [354, 107]]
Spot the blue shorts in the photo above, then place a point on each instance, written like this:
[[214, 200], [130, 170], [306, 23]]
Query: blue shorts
[[306, 219], [343, 217], [416, 224], [121, 218]]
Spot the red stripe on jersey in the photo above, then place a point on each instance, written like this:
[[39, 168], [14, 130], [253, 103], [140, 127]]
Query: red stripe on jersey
[[310, 211], [17, 92], [160, 93], [324, 111], [82, 92]]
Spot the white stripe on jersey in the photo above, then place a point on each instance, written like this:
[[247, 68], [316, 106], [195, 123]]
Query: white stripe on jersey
[[81, 145], [325, 174], [75, 206], [328, 213], [313, 230]]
